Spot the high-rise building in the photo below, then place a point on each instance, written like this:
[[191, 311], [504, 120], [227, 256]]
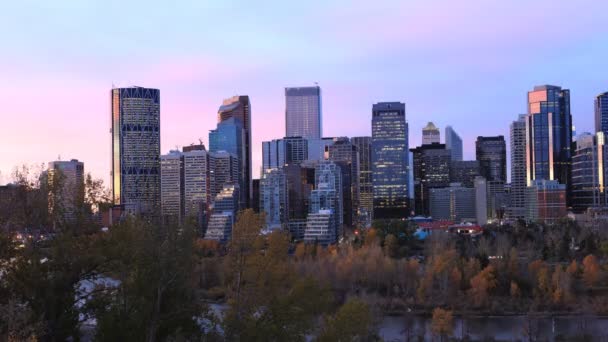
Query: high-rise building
[[366, 194], [327, 194], [222, 219], [481, 200], [453, 142], [464, 172], [430, 134], [549, 135], [303, 112], [318, 147], [601, 113], [223, 169], [66, 182], [491, 154], [345, 154], [455, 203], [431, 170], [229, 136], [321, 228], [517, 208], [136, 149], [390, 160], [300, 183], [545, 201], [589, 172], [172, 186], [255, 203], [197, 195], [273, 198], [278, 152]]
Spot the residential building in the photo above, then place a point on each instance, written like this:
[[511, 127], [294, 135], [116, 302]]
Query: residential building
[[172, 186], [136, 149], [517, 208], [390, 160]]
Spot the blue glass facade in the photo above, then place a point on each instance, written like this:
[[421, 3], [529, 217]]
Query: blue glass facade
[[549, 135], [229, 136], [601, 113], [390, 160]]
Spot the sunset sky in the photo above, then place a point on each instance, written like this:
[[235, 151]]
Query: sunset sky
[[465, 63]]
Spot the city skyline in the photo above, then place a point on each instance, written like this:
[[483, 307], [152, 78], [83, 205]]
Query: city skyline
[[193, 78]]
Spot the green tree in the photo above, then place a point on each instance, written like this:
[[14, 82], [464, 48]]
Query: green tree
[[352, 322]]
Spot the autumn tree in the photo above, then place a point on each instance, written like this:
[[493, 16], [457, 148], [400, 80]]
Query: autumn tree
[[481, 285], [591, 270], [442, 324], [352, 322]]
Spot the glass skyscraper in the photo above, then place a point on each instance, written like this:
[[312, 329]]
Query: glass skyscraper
[[589, 172], [239, 107], [364, 149], [453, 142], [229, 136], [136, 149], [390, 160], [303, 112], [601, 113], [549, 135], [491, 154], [517, 207]]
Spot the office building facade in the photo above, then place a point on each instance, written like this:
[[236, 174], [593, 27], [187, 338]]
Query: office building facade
[[453, 142], [491, 153], [274, 199], [136, 149], [601, 113], [431, 170], [390, 160], [303, 114], [589, 172], [430, 134], [518, 168], [366, 193]]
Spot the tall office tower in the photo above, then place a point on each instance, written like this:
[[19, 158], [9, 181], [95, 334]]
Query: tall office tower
[[136, 149], [226, 205], [273, 198], [601, 113], [464, 172], [326, 198], [300, 183], [497, 199], [366, 195], [518, 168], [455, 203], [589, 172], [197, 195], [430, 134], [453, 142], [345, 154], [390, 160], [545, 201], [255, 202], [239, 107], [229, 136], [481, 200], [492, 157], [303, 112], [317, 148], [549, 135], [431, 170], [223, 169], [278, 152], [172, 186], [66, 185]]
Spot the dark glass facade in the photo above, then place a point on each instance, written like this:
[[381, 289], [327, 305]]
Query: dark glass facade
[[364, 149], [549, 135], [431, 170], [390, 160], [601, 113], [229, 136], [136, 149], [589, 172], [464, 172], [345, 154], [491, 153], [303, 112]]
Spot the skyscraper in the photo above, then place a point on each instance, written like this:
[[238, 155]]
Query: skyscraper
[[464, 172], [430, 134], [303, 112], [491, 154], [601, 113], [136, 149], [517, 207], [390, 160], [223, 169], [66, 179], [326, 199], [172, 185], [366, 195], [431, 170], [589, 172], [278, 152], [230, 136], [549, 135], [273, 198], [345, 154], [239, 107], [453, 142]]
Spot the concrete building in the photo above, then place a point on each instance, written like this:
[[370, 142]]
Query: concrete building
[[172, 186], [481, 200], [517, 207], [136, 149], [455, 203]]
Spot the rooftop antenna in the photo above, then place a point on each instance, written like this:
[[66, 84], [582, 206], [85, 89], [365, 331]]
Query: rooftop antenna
[[200, 141]]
